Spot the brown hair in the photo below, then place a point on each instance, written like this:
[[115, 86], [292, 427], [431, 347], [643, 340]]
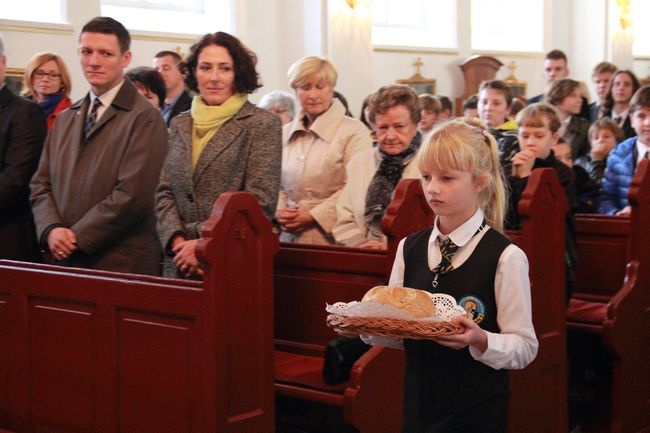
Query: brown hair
[[500, 86], [391, 95], [538, 116], [428, 102], [604, 67], [40, 59], [243, 59], [609, 124], [640, 99], [609, 100], [560, 89]]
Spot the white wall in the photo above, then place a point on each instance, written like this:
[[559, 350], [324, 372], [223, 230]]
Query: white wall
[[281, 31]]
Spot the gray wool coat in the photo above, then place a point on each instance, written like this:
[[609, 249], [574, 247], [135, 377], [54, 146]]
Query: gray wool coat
[[102, 186], [244, 155]]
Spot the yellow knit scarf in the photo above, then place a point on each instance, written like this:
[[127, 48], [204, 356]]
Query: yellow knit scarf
[[207, 119]]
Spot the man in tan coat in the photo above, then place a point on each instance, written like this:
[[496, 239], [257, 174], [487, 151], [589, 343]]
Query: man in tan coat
[[93, 193]]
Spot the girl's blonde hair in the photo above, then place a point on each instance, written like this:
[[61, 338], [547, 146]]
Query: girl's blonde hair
[[464, 145], [38, 60]]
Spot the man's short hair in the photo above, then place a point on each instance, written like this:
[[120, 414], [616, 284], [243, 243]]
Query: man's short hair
[[500, 86], [430, 103], [604, 67], [556, 55], [640, 99], [109, 26], [173, 54], [539, 115]]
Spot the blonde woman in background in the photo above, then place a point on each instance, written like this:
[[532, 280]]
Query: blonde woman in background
[[317, 145], [47, 82]]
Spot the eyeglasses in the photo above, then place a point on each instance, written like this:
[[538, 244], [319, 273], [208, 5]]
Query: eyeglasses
[[50, 75]]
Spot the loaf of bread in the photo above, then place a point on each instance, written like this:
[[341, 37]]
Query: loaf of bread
[[415, 303]]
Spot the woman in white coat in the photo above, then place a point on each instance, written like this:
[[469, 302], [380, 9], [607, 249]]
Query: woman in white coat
[[316, 147], [374, 174]]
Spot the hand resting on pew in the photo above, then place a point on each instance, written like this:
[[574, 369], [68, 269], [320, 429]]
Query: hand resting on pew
[[185, 256]]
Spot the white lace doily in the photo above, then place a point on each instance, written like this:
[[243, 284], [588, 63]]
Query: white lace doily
[[446, 308]]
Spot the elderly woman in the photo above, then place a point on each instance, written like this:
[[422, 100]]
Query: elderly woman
[[317, 146], [47, 82], [224, 143], [374, 173], [279, 103], [150, 84]]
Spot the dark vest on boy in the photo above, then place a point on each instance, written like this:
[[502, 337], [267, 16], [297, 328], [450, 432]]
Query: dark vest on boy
[[446, 390]]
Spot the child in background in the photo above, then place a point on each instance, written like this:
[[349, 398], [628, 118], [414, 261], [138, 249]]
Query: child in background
[[603, 135], [623, 160], [566, 96], [587, 190], [430, 108], [459, 383], [470, 106], [494, 99], [538, 133]]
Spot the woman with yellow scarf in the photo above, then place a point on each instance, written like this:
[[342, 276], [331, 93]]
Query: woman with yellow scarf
[[223, 143]]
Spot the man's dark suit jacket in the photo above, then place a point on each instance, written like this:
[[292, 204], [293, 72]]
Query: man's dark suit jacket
[[183, 103], [22, 133]]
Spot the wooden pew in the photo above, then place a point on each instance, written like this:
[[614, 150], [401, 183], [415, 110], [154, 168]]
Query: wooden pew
[[93, 351], [612, 299], [306, 277]]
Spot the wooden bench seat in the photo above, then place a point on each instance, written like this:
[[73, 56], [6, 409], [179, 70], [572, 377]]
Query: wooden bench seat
[[612, 300], [307, 277], [96, 351]]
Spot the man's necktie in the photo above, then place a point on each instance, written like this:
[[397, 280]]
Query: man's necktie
[[447, 251], [91, 119]]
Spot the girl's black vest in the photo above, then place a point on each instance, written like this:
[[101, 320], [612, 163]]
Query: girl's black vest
[[446, 390]]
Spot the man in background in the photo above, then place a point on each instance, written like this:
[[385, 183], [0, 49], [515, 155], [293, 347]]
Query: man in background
[[178, 98], [22, 132], [556, 67]]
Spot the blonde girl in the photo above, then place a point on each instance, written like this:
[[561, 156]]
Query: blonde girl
[[458, 383]]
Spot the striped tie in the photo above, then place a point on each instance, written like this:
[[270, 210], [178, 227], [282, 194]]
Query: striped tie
[[447, 251], [91, 119]]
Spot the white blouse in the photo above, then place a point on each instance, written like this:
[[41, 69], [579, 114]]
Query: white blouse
[[516, 346]]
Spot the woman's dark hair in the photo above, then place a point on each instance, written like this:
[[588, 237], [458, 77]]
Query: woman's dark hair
[[244, 61], [150, 79]]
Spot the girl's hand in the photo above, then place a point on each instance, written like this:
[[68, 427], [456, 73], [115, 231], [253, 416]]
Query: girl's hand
[[472, 336], [185, 257]]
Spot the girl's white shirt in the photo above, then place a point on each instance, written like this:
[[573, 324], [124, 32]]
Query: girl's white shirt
[[516, 346]]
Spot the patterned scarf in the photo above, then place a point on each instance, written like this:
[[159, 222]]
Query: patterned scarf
[[207, 119], [383, 183]]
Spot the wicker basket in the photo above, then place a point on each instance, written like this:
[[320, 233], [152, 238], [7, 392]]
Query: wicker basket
[[391, 328]]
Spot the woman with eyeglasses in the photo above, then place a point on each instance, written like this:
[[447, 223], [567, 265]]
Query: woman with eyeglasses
[[47, 82]]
